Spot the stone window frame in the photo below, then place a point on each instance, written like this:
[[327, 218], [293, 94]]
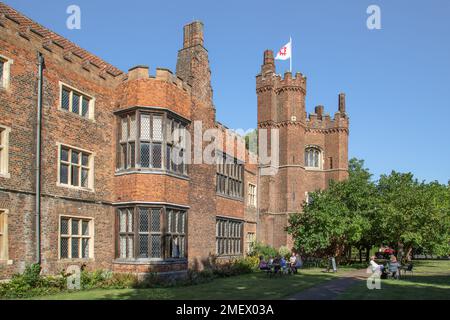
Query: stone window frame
[[229, 236], [229, 176], [308, 198], [70, 236], [4, 241], [129, 151], [5, 79], [251, 195], [320, 159], [90, 167], [250, 238], [84, 95], [4, 152], [166, 235]]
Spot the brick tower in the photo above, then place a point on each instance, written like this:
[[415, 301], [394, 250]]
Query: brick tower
[[313, 149]]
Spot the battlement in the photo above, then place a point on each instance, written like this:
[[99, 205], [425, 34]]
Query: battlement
[[162, 74], [268, 77], [278, 82], [54, 43], [320, 120]]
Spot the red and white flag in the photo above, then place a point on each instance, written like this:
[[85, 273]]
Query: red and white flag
[[285, 51]]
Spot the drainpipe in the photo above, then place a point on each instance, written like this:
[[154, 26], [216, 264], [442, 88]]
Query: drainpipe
[[38, 157]]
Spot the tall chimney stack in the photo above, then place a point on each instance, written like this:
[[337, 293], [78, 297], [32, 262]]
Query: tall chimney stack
[[193, 34], [342, 102]]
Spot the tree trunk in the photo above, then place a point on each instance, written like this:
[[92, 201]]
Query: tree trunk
[[368, 253], [360, 255]]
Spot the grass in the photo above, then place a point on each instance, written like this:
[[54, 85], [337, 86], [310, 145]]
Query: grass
[[431, 281], [250, 286]]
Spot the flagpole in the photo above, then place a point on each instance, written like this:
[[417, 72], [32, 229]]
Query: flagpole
[[290, 59]]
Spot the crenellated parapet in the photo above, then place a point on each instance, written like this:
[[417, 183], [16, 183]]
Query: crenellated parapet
[[52, 43], [277, 83], [164, 90]]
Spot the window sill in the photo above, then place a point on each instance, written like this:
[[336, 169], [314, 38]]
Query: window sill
[[6, 262], [5, 175], [76, 115], [67, 186], [230, 197], [313, 169], [66, 260], [229, 256], [151, 171], [150, 261]]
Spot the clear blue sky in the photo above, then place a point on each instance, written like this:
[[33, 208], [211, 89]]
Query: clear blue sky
[[397, 79]]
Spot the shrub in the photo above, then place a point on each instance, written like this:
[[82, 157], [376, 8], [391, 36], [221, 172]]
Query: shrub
[[264, 250], [107, 279], [284, 251], [235, 267], [30, 283]]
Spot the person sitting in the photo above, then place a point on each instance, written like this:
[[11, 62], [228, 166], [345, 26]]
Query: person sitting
[[283, 265], [263, 264], [394, 267], [276, 265], [292, 261]]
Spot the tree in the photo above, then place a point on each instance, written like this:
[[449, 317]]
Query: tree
[[417, 214], [338, 217], [397, 210]]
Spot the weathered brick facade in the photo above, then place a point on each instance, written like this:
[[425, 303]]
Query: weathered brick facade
[[186, 96], [281, 106]]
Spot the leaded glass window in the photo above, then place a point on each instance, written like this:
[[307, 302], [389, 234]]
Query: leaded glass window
[[74, 167], [75, 238], [229, 176], [76, 102], [228, 236], [313, 157], [160, 233], [153, 145]]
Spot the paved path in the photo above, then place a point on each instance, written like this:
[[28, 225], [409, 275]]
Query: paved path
[[330, 289]]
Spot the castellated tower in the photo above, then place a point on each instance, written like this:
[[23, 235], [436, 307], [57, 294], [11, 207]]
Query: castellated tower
[[313, 149]]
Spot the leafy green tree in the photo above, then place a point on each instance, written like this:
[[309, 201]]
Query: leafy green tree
[[417, 214], [357, 212], [339, 216]]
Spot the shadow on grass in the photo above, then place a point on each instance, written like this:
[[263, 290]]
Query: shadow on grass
[[422, 287], [252, 286]]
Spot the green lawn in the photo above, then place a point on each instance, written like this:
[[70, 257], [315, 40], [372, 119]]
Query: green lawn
[[431, 280], [249, 286]]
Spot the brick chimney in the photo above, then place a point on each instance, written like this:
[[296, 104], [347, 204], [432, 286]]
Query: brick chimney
[[193, 34], [268, 62], [319, 112], [342, 102], [193, 63]]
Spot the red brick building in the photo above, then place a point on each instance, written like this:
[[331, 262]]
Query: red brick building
[[313, 149], [103, 177]]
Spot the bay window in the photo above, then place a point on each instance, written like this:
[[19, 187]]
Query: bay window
[[151, 232], [151, 141]]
